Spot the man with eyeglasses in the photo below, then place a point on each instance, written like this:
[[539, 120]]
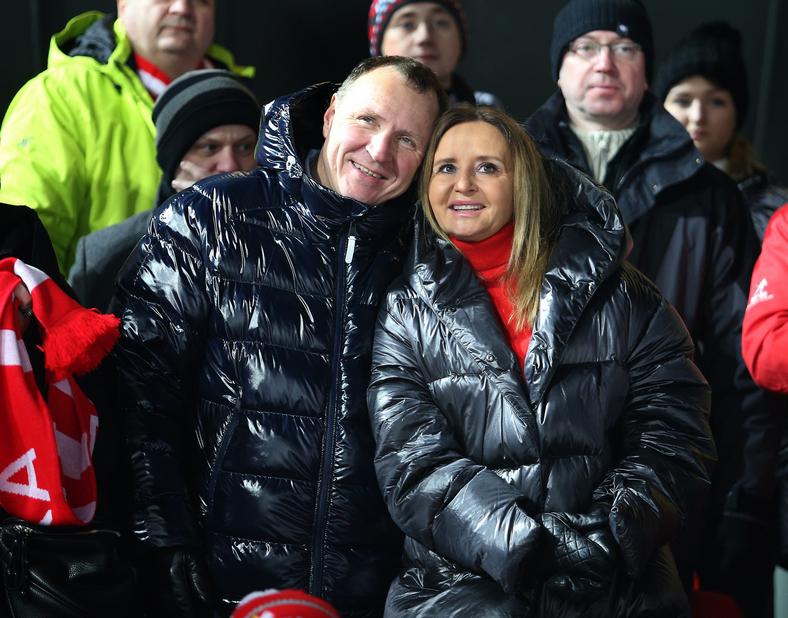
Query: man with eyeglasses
[[692, 236]]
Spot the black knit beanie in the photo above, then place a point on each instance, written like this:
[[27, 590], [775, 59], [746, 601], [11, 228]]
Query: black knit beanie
[[380, 12], [193, 104], [712, 51], [627, 18]]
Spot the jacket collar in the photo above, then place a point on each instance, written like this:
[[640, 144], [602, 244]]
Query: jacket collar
[[663, 154], [591, 245], [547, 125], [88, 34], [460, 91]]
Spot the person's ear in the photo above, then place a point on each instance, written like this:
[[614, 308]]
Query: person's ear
[[328, 116]]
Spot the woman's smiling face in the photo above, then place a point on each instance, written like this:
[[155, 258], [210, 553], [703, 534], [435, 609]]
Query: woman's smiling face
[[471, 187]]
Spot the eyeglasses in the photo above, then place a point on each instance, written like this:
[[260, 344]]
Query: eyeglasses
[[589, 50]]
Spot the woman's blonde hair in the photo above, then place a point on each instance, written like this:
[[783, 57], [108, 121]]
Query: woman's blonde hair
[[535, 207]]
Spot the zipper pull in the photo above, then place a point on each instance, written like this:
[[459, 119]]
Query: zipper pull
[[351, 243], [351, 247]]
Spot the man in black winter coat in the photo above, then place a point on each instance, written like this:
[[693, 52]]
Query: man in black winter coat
[[693, 237], [247, 319]]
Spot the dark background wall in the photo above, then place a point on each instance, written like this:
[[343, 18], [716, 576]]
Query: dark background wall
[[297, 42]]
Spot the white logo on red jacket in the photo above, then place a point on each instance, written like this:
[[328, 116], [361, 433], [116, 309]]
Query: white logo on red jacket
[[760, 294]]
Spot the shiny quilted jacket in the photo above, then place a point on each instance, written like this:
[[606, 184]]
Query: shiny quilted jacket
[[477, 455], [248, 313]]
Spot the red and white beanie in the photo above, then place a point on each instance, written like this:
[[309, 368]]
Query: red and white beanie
[[283, 604], [380, 12]]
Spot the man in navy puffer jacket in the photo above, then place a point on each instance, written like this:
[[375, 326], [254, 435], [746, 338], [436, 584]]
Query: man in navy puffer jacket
[[247, 319]]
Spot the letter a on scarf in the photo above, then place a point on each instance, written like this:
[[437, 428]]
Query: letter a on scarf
[[46, 445]]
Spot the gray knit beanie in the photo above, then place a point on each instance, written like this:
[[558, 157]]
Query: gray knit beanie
[[193, 104]]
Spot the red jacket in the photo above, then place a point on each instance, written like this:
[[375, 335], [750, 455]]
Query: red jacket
[[765, 330]]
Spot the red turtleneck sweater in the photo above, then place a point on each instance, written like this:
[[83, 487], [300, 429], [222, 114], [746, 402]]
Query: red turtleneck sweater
[[489, 258]]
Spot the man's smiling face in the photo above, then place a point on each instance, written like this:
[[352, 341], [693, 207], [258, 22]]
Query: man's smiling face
[[376, 133]]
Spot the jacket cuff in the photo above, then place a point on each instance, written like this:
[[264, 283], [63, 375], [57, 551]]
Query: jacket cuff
[[637, 528]]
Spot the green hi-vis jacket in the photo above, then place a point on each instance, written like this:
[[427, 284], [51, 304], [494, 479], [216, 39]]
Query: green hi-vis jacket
[[77, 143]]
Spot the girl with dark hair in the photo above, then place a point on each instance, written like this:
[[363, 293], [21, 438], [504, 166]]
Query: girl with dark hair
[[703, 84]]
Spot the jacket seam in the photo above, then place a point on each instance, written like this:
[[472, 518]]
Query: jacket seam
[[267, 476], [264, 284], [253, 342], [242, 410], [258, 541]]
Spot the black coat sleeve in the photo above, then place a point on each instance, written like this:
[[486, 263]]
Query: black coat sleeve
[[746, 422], [161, 300], [665, 451]]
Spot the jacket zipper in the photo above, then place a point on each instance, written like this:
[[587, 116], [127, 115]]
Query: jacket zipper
[[347, 248]]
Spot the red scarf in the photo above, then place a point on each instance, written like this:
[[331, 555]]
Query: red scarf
[[489, 258], [46, 446], [154, 79]]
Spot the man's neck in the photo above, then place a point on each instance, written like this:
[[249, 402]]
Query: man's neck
[[585, 123], [319, 168], [175, 65]]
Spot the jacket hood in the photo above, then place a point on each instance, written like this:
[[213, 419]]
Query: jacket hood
[[291, 126], [89, 34], [96, 41], [591, 244], [102, 37]]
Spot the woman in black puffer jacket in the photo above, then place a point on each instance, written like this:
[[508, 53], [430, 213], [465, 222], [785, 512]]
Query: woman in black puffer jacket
[[541, 428]]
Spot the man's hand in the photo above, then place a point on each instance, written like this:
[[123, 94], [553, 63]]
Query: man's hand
[[24, 306], [187, 174]]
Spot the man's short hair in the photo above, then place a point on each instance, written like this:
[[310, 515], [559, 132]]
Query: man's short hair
[[417, 76]]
